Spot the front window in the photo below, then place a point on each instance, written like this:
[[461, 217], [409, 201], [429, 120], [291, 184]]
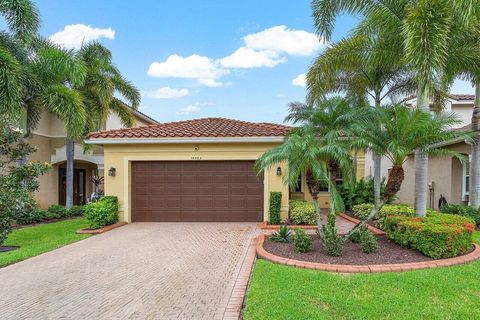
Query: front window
[[338, 182], [299, 186], [466, 180]]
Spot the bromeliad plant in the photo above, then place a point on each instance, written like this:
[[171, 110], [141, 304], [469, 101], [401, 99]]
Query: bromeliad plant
[[284, 234]]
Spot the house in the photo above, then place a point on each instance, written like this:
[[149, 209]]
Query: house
[[446, 175], [196, 170], [50, 137]]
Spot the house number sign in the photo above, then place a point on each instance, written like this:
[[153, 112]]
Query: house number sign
[[196, 158]]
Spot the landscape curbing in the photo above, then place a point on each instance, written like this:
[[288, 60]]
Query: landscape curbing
[[102, 230], [342, 268]]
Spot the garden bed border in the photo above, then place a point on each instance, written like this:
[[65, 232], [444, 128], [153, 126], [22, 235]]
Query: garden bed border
[[102, 230], [346, 268]]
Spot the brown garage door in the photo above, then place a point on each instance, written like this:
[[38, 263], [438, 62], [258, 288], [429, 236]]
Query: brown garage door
[[196, 191]]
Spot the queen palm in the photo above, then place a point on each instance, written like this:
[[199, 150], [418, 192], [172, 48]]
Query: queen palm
[[401, 132], [315, 148], [420, 31]]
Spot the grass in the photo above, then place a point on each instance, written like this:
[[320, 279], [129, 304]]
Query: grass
[[282, 292], [42, 238]]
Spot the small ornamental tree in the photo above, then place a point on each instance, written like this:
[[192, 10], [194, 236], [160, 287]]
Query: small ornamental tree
[[17, 179]]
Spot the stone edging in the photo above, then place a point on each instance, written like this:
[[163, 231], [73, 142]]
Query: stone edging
[[371, 228], [342, 268], [102, 230], [265, 226]]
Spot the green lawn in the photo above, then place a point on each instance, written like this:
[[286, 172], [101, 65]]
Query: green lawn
[[42, 238], [281, 292]]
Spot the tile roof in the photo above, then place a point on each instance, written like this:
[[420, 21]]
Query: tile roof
[[206, 127], [458, 97]]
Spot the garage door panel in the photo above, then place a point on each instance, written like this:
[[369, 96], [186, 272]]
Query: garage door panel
[[196, 191]]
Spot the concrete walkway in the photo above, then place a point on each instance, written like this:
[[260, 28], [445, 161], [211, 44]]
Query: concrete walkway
[[139, 271]]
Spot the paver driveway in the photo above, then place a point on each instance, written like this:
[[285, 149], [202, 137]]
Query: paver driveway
[[140, 271]]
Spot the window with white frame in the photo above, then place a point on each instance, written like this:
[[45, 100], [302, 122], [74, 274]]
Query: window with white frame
[[466, 179], [338, 182]]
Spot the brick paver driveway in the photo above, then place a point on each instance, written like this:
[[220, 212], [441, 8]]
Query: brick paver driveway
[[140, 271]]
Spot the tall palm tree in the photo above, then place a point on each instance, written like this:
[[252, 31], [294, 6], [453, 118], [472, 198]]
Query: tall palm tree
[[421, 32], [319, 148], [364, 67], [401, 132]]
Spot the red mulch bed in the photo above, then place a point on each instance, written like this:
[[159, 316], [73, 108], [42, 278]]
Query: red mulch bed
[[388, 252]]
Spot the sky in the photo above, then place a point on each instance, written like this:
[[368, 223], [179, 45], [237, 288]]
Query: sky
[[243, 60]]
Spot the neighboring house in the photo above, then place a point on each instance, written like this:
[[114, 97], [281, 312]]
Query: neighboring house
[[50, 137], [446, 175], [196, 170]]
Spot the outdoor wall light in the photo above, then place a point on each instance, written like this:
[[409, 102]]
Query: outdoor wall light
[[279, 171], [112, 172]]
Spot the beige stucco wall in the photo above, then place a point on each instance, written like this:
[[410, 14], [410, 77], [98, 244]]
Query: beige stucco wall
[[121, 156], [444, 172]]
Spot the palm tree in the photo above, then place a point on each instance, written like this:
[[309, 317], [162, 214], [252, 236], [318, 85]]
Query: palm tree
[[362, 67], [401, 132], [319, 148], [420, 31], [19, 85]]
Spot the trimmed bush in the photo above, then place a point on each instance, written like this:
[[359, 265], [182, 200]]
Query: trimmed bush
[[332, 242], [56, 211], [302, 212], [368, 241], [275, 206], [355, 237], [466, 211], [303, 242], [361, 211], [31, 215], [102, 213], [437, 236]]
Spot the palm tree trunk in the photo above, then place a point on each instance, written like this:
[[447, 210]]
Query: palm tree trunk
[[70, 160], [377, 163], [421, 164], [475, 162]]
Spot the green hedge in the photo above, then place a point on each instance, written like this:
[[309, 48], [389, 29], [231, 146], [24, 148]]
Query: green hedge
[[362, 211], [437, 236], [56, 211], [302, 212], [463, 211], [275, 206], [102, 213]]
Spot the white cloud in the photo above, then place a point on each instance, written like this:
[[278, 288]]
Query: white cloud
[[250, 58], [73, 35], [300, 80], [283, 40], [167, 93], [189, 110], [205, 70]]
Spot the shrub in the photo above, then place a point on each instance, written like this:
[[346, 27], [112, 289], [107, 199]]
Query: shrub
[[302, 212], [303, 243], [284, 234], [359, 192], [355, 237], [76, 211], [437, 236], [30, 215], [275, 206], [56, 211], [362, 211], [332, 242], [463, 211], [368, 241], [102, 213]]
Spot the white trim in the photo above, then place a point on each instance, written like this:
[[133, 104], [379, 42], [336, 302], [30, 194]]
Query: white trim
[[183, 140], [464, 178], [46, 135]]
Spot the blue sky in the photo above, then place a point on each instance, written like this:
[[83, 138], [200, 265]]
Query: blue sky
[[205, 58]]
